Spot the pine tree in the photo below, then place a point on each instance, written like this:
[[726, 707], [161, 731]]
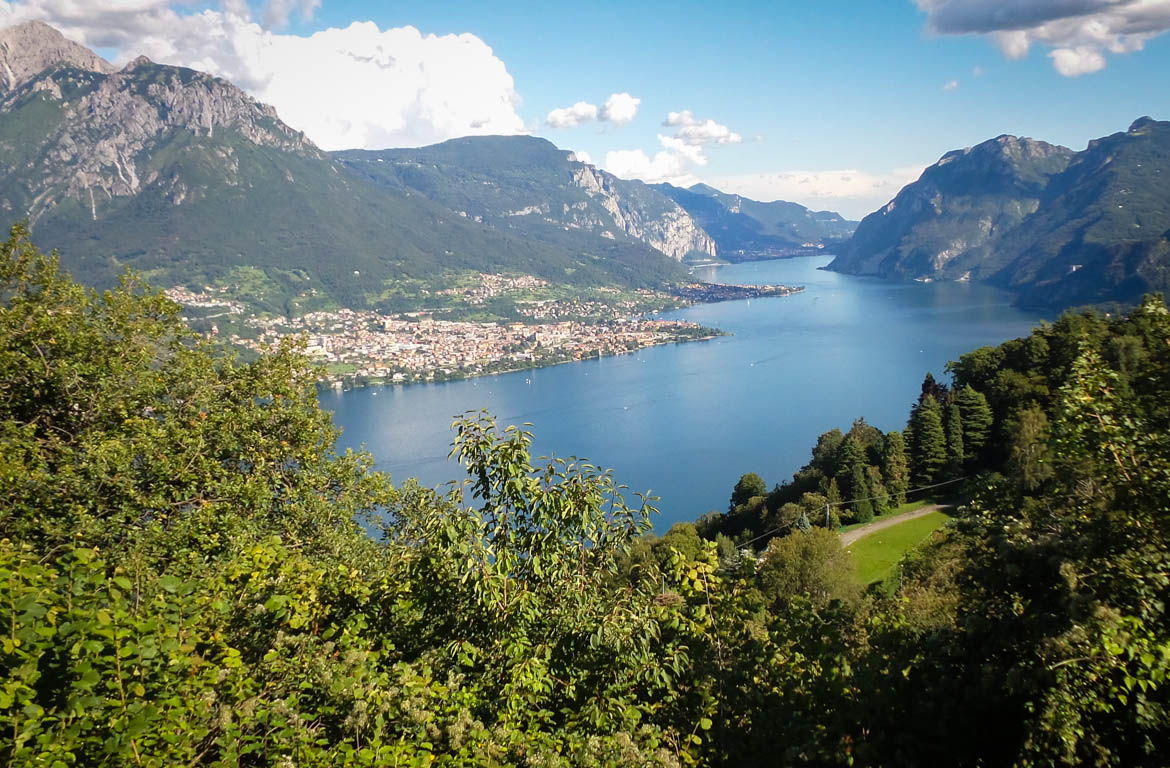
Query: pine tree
[[977, 421], [833, 494], [895, 472], [862, 506], [877, 489], [954, 432], [928, 442]]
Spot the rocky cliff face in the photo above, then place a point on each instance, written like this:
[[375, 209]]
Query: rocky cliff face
[[526, 184], [663, 225], [941, 225], [109, 125], [28, 49], [1059, 228]]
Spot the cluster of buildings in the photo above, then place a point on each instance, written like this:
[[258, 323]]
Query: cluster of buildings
[[491, 286], [361, 345], [204, 299]]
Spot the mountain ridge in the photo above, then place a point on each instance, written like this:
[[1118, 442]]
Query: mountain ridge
[[1028, 216]]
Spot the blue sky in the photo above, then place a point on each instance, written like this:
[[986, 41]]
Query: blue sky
[[831, 104]]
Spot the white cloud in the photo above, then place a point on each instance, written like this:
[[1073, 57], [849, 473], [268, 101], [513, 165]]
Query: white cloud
[[680, 153], [583, 156], [850, 192], [636, 164], [951, 85], [1071, 62], [569, 117], [1079, 32], [354, 87], [620, 108], [977, 71], [699, 132]]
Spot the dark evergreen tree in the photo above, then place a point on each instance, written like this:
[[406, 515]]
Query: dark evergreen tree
[[977, 421], [954, 431], [895, 468], [862, 505], [928, 442], [877, 489], [832, 493]]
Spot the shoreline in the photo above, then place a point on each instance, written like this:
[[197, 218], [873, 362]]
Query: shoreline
[[338, 385]]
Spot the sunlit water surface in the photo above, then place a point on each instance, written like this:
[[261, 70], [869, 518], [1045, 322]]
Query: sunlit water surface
[[685, 421]]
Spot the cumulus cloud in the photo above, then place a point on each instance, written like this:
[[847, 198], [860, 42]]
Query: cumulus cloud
[[680, 154], [700, 132], [569, 117], [359, 86], [1081, 60], [1078, 32], [851, 192], [636, 164], [620, 108], [951, 85]]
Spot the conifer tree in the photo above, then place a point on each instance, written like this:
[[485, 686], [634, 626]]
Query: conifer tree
[[895, 470], [977, 421], [833, 493], [862, 506], [877, 489], [954, 431], [928, 442]]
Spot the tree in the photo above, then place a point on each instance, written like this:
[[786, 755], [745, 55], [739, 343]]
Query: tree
[[895, 469], [928, 442], [953, 427], [811, 563], [862, 504], [881, 496], [748, 487], [1029, 449], [977, 420]]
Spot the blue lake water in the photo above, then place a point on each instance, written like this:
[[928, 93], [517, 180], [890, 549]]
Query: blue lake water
[[684, 421]]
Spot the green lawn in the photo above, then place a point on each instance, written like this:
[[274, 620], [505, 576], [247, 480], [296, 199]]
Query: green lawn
[[907, 507], [875, 555]]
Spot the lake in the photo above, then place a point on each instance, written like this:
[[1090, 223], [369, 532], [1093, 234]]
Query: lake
[[684, 421]]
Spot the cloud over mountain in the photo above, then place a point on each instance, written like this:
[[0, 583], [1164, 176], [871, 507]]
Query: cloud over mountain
[[1078, 32], [680, 153], [359, 86]]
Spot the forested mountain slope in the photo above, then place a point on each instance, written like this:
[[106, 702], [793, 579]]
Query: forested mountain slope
[[1060, 228], [188, 180], [526, 185]]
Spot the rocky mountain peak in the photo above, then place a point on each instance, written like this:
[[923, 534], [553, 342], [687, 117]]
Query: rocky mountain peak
[[30, 48], [138, 61]]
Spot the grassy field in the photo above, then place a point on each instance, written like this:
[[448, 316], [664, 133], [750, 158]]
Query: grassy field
[[875, 555], [907, 507]]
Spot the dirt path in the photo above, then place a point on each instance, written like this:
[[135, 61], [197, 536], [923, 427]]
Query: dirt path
[[849, 537]]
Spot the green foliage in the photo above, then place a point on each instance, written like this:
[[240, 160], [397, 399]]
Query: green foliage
[[808, 563], [977, 420], [928, 443], [895, 468], [748, 486], [953, 427]]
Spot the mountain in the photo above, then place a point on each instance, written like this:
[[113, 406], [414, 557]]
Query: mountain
[[941, 225], [1059, 228], [746, 229], [30, 48], [526, 185], [190, 181]]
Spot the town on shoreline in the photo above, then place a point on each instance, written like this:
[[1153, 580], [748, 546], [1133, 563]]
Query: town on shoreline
[[364, 347]]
